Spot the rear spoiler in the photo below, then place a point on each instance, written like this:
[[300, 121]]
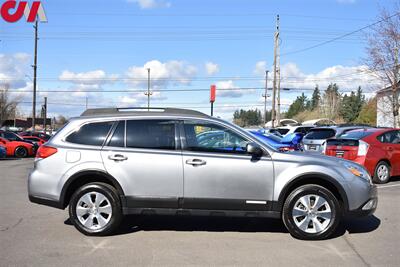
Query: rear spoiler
[[342, 142]]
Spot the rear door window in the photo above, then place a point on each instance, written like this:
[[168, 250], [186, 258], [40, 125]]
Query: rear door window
[[318, 134], [93, 134], [151, 134]]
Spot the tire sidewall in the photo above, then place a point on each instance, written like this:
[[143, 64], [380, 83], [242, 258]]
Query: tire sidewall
[[112, 196], [19, 148], [376, 178], [311, 190]]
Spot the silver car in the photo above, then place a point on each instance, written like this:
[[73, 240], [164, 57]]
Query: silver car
[[315, 139], [111, 162]]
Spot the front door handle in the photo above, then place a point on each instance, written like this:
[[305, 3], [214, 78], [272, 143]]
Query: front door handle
[[196, 162], [117, 157]]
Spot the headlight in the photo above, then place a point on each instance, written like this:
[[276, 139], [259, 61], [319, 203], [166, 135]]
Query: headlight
[[358, 171]]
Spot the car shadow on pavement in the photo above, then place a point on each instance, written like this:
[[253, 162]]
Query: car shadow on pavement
[[136, 223]]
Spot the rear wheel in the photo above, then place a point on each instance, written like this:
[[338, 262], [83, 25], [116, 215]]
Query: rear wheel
[[382, 173], [21, 152], [95, 209], [311, 212]]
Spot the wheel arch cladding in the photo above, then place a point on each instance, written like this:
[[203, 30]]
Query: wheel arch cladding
[[85, 177], [318, 179]]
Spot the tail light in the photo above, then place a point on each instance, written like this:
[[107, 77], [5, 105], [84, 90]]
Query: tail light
[[362, 148], [285, 149], [45, 152]]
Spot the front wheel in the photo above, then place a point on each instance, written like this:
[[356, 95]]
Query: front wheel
[[95, 209], [311, 212]]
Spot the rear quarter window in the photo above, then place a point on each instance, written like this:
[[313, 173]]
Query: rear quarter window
[[320, 134], [93, 134]]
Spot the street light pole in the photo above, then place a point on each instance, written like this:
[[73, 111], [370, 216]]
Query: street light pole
[[34, 77], [148, 93]]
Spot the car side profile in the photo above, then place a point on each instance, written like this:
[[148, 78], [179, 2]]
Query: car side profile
[[18, 149], [112, 162], [378, 150]]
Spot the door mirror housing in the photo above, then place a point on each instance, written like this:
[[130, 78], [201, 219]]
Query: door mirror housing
[[254, 150]]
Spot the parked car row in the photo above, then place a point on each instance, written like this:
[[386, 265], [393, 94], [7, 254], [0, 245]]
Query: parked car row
[[377, 149], [20, 146]]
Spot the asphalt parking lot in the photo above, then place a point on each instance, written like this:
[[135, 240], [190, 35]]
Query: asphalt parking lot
[[34, 235]]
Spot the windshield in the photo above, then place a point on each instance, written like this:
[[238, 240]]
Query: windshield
[[355, 134]]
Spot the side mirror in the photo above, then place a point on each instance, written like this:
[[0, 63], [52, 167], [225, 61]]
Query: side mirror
[[254, 150]]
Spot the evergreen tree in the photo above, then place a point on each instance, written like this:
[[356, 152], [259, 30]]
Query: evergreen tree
[[299, 105], [315, 99]]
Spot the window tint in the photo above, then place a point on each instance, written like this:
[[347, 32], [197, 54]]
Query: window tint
[[118, 138], [320, 134], [93, 134], [392, 137], [10, 136], [355, 134], [152, 134], [213, 138], [303, 130]]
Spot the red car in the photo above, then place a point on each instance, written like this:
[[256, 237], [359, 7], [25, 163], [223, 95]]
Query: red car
[[378, 150], [37, 140], [17, 149]]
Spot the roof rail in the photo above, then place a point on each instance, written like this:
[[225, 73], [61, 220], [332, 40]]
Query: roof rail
[[141, 111]]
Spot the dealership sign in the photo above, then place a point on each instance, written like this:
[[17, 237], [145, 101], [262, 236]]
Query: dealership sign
[[13, 11]]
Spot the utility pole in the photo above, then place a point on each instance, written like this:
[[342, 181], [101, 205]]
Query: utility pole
[[265, 95], [148, 93], [276, 43], [44, 114], [34, 76]]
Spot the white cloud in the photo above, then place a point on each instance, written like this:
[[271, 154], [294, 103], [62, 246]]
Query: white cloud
[[347, 78], [228, 93], [261, 67], [13, 69], [138, 99], [162, 74], [88, 78], [148, 4], [211, 68]]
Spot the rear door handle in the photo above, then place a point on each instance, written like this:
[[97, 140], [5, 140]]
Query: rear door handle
[[196, 162], [117, 157]]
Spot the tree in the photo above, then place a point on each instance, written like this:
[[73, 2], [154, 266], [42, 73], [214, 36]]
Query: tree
[[368, 113], [330, 102], [351, 105], [299, 105], [8, 107], [316, 98], [245, 118], [382, 51]]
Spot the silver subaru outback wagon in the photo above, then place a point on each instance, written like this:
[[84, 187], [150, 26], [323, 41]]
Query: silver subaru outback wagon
[[111, 162]]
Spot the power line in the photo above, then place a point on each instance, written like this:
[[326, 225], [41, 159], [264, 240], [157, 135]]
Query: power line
[[339, 37]]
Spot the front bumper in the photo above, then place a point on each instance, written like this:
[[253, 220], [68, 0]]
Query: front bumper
[[368, 207]]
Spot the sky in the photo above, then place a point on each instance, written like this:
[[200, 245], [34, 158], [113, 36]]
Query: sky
[[97, 52]]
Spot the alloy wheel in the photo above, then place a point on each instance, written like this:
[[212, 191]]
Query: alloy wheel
[[312, 213], [383, 173], [94, 210]]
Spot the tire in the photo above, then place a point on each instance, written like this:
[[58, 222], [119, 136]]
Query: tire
[[20, 152], [382, 173], [306, 226], [92, 221]]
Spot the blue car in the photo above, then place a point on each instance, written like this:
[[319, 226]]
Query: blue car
[[2, 152], [290, 142]]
